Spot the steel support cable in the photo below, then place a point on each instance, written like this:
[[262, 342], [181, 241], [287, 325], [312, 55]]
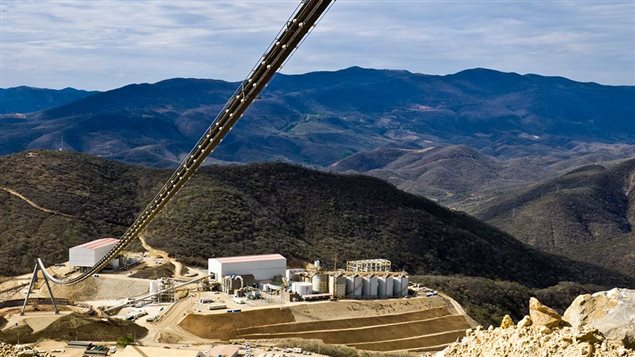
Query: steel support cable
[[306, 15]]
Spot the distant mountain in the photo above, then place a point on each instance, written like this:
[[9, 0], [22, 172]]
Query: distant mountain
[[25, 99], [587, 214], [493, 125], [259, 208], [462, 177]]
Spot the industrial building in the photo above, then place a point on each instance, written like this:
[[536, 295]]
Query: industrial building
[[88, 254], [162, 284], [262, 267]]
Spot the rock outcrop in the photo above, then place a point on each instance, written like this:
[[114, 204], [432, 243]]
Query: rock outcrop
[[543, 315], [535, 340], [611, 312], [507, 322], [544, 333]]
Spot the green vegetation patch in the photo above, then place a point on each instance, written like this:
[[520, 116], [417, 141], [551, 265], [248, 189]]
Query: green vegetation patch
[[487, 300]]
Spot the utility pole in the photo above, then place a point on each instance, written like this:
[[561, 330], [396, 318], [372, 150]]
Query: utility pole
[[335, 263]]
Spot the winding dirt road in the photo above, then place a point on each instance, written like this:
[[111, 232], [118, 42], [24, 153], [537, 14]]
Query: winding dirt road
[[33, 204]]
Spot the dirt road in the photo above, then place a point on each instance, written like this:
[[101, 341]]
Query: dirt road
[[167, 329], [33, 204], [178, 266]]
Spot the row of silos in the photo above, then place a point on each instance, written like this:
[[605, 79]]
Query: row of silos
[[376, 286], [358, 285]]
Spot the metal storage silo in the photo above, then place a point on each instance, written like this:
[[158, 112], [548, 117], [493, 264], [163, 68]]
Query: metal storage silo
[[404, 285], [389, 286], [381, 286], [384, 286], [366, 286], [369, 286], [354, 285], [357, 286], [320, 283], [396, 286], [337, 285], [350, 285], [373, 286]]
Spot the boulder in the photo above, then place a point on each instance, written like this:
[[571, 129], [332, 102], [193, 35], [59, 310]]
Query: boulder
[[507, 322], [610, 312], [525, 322], [543, 315]]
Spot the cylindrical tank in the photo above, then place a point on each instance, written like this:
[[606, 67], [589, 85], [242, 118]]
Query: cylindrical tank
[[357, 286], [389, 286], [337, 285], [365, 286], [373, 286], [396, 286], [353, 285], [350, 285], [369, 286], [404, 285], [154, 286], [384, 286], [302, 288], [321, 283]]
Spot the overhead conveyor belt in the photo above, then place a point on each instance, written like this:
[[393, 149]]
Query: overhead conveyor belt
[[306, 15]]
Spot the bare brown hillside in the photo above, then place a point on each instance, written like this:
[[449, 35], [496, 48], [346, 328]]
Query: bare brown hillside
[[587, 214]]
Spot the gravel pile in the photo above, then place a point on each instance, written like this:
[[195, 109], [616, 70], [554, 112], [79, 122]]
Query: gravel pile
[[534, 341], [591, 328], [7, 350]]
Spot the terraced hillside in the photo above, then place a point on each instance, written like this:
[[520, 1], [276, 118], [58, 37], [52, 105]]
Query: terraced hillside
[[421, 324]]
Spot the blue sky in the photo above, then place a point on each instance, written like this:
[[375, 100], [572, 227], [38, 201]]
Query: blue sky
[[104, 44]]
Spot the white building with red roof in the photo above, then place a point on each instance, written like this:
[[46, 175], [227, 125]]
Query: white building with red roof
[[88, 254], [262, 267]]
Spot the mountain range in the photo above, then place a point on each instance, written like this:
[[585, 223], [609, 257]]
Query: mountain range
[[541, 158], [25, 99], [499, 129]]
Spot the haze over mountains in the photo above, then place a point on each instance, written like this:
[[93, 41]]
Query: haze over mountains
[[451, 138]]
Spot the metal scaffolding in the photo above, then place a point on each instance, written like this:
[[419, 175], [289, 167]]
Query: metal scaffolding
[[368, 265]]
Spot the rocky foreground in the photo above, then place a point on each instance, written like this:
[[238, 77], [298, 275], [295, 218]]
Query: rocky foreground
[[602, 324]]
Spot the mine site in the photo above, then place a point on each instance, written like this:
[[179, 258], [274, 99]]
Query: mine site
[[351, 211], [258, 299]]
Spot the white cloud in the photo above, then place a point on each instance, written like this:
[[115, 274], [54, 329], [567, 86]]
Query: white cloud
[[109, 43]]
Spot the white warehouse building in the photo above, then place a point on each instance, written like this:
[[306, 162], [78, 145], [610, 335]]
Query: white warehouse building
[[88, 254], [262, 267]]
